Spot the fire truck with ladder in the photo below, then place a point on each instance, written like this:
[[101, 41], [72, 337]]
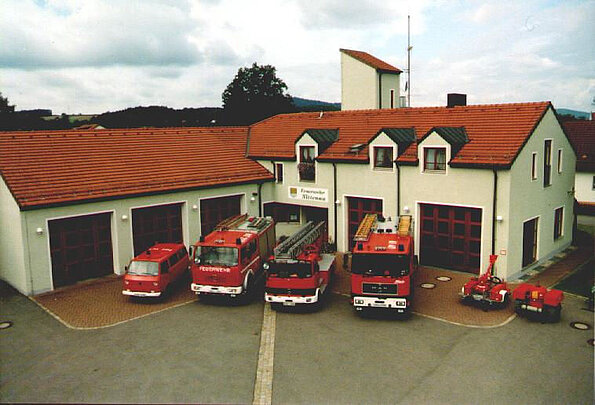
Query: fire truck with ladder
[[298, 273], [228, 261], [383, 264]]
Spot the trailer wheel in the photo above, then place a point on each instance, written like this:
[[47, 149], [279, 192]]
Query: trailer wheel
[[517, 307], [552, 314]]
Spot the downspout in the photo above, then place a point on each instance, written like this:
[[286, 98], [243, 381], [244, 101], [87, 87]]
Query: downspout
[[398, 190], [379, 90], [335, 201], [494, 206], [259, 199]]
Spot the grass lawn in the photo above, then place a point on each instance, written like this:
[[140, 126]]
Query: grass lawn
[[580, 281]]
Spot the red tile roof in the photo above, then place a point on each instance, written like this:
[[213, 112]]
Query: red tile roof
[[44, 168], [496, 132], [371, 61], [582, 136]]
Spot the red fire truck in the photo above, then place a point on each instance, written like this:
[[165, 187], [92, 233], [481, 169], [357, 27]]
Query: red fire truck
[[298, 273], [383, 264], [228, 261]]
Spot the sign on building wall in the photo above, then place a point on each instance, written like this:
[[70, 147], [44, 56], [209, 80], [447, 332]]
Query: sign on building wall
[[309, 194]]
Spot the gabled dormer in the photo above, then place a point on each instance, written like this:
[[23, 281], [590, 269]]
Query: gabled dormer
[[310, 144], [439, 146], [387, 145]]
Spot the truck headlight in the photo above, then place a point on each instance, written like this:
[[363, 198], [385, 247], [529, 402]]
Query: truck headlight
[[266, 266]]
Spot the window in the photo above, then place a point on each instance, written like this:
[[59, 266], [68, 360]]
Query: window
[[559, 161], [547, 163], [534, 166], [383, 157], [593, 187], [392, 98], [558, 222], [306, 168], [434, 159], [279, 172]]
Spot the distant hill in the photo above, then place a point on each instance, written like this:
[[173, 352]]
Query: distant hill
[[304, 104], [576, 114]]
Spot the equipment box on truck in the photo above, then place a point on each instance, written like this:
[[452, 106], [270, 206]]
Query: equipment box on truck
[[383, 264], [228, 261], [154, 271], [298, 273]]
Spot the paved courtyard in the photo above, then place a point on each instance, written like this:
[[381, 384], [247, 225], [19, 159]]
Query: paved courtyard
[[209, 353]]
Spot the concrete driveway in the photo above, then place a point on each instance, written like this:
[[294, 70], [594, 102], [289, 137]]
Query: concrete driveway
[[210, 353]]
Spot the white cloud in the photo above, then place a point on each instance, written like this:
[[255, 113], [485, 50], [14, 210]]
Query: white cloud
[[99, 55]]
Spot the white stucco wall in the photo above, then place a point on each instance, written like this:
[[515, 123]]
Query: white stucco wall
[[390, 81], [12, 245], [39, 263], [464, 187], [530, 199], [583, 185], [359, 85]]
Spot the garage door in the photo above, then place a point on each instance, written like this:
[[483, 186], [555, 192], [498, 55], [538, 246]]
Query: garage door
[[215, 210], [450, 237], [357, 208], [161, 224], [81, 248]]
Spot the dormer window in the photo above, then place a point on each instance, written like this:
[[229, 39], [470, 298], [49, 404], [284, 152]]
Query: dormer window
[[435, 159], [383, 157], [306, 165]]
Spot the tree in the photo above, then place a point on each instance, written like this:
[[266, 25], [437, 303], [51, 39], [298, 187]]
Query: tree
[[254, 94], [4, 106]]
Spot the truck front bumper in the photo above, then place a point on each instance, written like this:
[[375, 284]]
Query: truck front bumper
[[141, 293], [215, 289], [398, 303], [290, 300]]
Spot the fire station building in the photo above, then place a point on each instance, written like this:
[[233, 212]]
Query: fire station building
[[477, 180]]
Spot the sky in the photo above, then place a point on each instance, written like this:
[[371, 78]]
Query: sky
[[93, 56]]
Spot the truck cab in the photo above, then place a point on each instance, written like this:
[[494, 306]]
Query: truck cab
[[383, 265], [152, 273]]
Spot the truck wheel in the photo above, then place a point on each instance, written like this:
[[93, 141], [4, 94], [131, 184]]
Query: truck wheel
[[552, 314], [504, 302]]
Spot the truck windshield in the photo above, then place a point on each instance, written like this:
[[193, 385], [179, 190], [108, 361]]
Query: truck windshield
[[142, 268], [380, 264], [216, 255], [284, 270]]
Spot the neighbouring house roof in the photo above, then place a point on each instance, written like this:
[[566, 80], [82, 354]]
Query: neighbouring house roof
[[582, 136], [44, 168], [496, 132], [371, 61]]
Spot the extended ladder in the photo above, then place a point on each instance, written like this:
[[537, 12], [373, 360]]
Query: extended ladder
[[291, 247], [365, 228]]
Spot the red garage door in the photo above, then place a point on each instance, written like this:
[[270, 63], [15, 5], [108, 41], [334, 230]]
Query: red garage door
[[215, 210], [450, 237], [81, 248], [161, 224], [357, 208]]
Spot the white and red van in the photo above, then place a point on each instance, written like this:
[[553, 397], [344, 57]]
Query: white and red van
[[153, 272]]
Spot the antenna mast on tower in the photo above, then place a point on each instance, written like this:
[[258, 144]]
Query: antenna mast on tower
[[409, 47]]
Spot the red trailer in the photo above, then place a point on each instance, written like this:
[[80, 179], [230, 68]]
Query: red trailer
[[541, 302], [486, 289]]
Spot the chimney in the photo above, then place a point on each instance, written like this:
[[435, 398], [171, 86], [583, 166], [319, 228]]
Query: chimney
[[454, 99]]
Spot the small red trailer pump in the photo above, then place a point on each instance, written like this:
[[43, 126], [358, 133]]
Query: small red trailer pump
[[487, 289], [540, 302]]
